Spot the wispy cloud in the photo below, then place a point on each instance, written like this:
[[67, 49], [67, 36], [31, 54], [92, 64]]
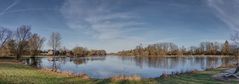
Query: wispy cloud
[[31, 9], [12, 8], [227, 11], [9, 7], [105, 21], [102, 18]]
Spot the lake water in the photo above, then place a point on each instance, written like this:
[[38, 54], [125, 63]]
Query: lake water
[[146, 67]]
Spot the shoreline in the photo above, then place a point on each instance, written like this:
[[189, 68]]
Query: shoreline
[[130, 56], [19, 73], [180, 56]]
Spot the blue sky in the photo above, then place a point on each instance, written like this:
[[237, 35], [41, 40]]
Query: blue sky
[[115, 25]]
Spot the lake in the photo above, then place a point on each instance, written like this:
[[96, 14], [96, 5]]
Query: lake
[[146, 67]]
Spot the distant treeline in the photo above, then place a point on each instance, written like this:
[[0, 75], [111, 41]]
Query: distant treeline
[[167, 48], [24, 42], [80, 51], [77, 51]]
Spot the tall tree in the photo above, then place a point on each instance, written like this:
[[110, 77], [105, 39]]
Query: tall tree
[[22, 36], [35, 44]]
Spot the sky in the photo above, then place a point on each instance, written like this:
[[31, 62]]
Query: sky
[[116, 25]]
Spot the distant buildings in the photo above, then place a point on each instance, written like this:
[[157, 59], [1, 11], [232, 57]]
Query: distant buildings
[[58, 52], [50, 52]]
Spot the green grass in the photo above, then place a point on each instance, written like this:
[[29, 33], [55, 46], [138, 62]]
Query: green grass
[[22, 74]]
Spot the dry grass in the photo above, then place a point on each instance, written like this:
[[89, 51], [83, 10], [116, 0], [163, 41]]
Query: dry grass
[[65, 74], [49, 71], [128, 78]]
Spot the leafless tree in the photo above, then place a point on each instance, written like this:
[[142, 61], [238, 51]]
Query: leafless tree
[[22, 36], [5, 35], [35, 44], [55, 41]]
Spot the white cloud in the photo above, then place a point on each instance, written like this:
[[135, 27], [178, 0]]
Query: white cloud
[[227, 11]]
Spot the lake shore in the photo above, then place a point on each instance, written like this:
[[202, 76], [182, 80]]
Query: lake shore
[[133, 56], [188, 56], [12, 72]]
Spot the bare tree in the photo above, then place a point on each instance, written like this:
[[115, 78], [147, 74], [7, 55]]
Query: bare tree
[[35, 44], [55, 41], [23, 34], [5, 35]]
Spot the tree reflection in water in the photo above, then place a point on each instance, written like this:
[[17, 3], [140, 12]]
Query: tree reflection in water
[[84, 60], [103, 67], [34, 62], [172, 62], [57, 62]]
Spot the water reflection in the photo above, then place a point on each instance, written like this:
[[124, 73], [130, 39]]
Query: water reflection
[[148, 67], [34, 62]]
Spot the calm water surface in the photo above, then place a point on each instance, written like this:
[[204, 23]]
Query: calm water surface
[[146, 67]]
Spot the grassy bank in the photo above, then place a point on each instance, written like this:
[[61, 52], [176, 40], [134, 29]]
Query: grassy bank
[[22, 74]]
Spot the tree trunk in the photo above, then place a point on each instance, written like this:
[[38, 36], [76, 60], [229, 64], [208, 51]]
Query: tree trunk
[[18, 57], [34, 62], [237, 70], [237, 65]]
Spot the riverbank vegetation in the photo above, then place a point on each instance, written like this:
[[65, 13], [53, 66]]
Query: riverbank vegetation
[[167, 48], [21, 74]]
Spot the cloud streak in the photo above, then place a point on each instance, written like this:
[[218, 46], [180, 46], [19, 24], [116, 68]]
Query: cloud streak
[[9, 7], [227, 11]]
